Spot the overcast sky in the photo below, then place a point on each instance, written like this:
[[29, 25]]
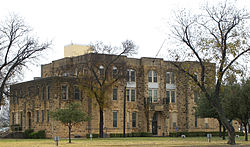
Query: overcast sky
[[110, 21]]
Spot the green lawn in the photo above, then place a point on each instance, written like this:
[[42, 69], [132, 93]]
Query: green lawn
[[130, 141]]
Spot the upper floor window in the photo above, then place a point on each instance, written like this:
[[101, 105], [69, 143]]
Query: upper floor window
[[114, 72], [130, 93], [115, 94], [170, 78], [152, 76], [195, 97], [130, 75], [101, 70], [64, 92], [48, 92], [76, 93]]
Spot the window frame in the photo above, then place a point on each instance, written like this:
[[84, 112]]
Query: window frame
[[115, 94], [152, 76], [66, 92], [134, 119], [77, 91]]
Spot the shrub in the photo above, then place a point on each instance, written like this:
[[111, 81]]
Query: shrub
[[27, 133], [199, 134], [16, 128]]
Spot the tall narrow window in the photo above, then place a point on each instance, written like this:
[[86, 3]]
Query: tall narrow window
[[131, 76], [152, 76], [76, 93], [37, 115], [115, 72], [150, 95], [114, 119], [128, 120], [101, 70], [132, 95], [13, 118], [172, 96], [64, 92], [196, 121], [48, 92], [168, 96], [170, 78], [47, 115], [115, 94], [155, 95], [128, 94], [134, 119], [42, 115], [21, 119]]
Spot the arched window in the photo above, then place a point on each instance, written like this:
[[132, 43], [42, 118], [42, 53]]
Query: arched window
[[101, 70], [152, 76], [170, 78]]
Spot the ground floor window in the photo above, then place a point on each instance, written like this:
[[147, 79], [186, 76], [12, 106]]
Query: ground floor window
[[134, 119], [114, 119], [170, 95], [153, 95]]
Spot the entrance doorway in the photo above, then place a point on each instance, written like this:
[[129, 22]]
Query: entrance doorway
[[154, 124], [29, 120]]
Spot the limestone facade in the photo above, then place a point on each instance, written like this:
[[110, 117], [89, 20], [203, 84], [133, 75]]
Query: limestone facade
[[159, 98]]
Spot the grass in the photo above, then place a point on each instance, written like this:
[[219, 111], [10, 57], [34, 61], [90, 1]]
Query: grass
[[130, 141]]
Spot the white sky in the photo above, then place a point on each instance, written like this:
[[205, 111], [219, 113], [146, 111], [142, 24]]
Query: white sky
[[86, 21]]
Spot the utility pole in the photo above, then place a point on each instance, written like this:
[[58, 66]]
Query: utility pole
[[124, 113]]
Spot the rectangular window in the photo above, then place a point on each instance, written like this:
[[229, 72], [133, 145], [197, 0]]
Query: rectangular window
[[150, 95], [42, 115], [132, 76], [37, 115], [174, 125], [127, 75], [48, 92], [114, 119], [168, 77], [127, 95], [76, 93], [206, 125], [13, 118], [196, 121], [155, 76], [115, 94], [172, 78], [150, 76], [132, 95], [155, 95], [134, 119], [168, 96], [21, 119], [172, 96], [64, 92], [47, 115]]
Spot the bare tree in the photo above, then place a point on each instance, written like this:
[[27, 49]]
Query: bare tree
[[218, 34], [105, 67], [17, 48]]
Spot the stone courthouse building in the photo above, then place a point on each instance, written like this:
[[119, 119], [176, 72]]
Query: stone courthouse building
[[159, 98]]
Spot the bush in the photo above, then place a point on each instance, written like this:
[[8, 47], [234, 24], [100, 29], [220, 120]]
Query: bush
[[134, 134], [27, 133], [30, 134]]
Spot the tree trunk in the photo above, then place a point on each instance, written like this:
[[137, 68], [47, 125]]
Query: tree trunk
[[101, 124], [245, 127], [69, 134], [219, 128], [224, 131]]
